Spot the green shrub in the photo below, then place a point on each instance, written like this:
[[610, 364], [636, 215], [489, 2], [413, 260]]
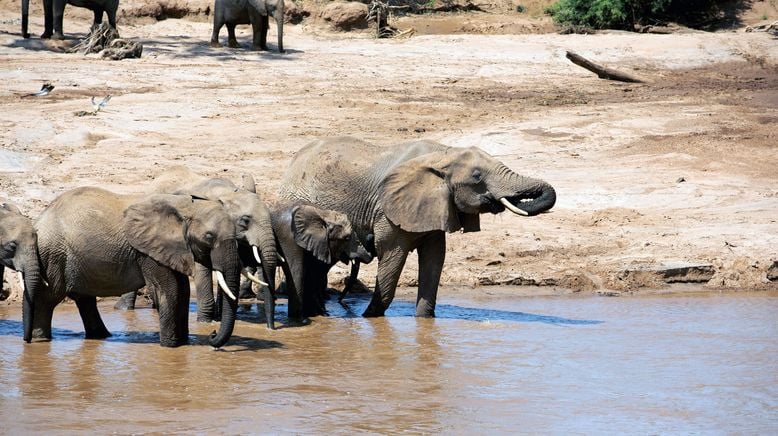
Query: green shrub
[[625, 14]]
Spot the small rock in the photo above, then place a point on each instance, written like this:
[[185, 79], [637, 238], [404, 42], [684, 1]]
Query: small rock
[[772, 272], [680, 180], [420, 130]]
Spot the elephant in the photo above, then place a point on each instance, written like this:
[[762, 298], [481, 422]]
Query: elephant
[[95, 243], [19, 251], [254, 12], [408, 196], [254, 232], [54, 11], [312, 241]]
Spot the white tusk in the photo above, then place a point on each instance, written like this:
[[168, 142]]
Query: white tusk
[[280, 258], [223, 285], [253, 278], [512, 208], [21, 280], [256, 254]]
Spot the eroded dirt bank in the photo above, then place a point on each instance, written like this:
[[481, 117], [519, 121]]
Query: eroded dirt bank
[[668, 181]]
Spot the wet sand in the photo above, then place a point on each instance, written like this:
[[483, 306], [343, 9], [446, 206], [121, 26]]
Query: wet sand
[[649, 364]]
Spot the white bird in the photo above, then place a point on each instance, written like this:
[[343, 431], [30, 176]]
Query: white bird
[[97, 106]]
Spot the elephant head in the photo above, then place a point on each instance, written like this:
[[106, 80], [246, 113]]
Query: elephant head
[[327, 235], [448, 189], [19, 251], [179, 231]]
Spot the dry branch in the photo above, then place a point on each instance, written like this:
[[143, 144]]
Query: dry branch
[[602, 72]]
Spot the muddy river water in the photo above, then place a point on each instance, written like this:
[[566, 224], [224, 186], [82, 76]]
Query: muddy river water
[[658, 364]]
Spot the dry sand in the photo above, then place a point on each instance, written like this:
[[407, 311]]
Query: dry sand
[[680, 171]]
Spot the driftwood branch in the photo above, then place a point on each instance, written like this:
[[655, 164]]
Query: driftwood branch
[[602, 72]]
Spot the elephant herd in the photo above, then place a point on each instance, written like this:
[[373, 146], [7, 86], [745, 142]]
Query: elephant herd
[[225, 12], [341, 200]]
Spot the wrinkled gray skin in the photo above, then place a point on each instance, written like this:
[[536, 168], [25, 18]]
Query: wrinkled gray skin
[[54, 11], [254, 12], [19, 251], [408, 196], [253, 229], [312, 240], [94, 243]]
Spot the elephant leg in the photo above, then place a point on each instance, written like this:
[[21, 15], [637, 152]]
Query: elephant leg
[[111, 12], [126, 301], [59, 12], [204, 289], [173, 298], [218, 22], [98, 20], [48, 19], [93, 324], [256, 27], [245, 290], [294, 288], [432, 254], [390, 265], [264, 23], [315, 287], [232, 42]]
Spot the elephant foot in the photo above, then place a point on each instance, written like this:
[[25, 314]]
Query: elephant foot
[[173, 343], [425, 314], [297, 322], [98, 333], [58, 36], [26, 35], [126, 302], [216, 44], [233, 43], [46, 35], [372, 312]]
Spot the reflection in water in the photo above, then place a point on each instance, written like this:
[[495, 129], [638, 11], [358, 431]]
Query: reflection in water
[[584, 365]]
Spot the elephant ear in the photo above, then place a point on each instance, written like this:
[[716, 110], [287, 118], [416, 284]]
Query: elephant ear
[[156, 228], [417, 198], [310, 232]]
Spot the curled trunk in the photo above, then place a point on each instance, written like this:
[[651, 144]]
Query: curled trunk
[[532, 196]]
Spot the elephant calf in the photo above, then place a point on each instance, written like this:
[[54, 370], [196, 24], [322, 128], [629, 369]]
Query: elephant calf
[[254, 12], [312, 241], [19, 251]]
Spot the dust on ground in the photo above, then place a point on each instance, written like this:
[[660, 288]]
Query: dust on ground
[[659, 184]]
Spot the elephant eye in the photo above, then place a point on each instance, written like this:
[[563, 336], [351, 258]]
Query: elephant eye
[[209, 237], [243, 222], [477, 175]]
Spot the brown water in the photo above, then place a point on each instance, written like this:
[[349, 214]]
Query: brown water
[[643, 365]]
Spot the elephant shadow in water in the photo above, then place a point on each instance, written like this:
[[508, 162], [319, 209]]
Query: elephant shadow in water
[[242, 343], [354, 304]]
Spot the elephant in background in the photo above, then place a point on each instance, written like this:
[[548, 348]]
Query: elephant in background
[[254, 12], [19, 251], [94, 243], [254, 233], [312, 241], [54, 11], [408, 196]]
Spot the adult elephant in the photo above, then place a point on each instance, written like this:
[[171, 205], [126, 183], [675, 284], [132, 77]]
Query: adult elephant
[[254, 233], [408, 196], [312, 241], [94, 243], [54, 11], [19, 251], [254, 12]]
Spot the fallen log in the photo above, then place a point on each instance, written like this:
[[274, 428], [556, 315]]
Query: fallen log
[[602, 72]]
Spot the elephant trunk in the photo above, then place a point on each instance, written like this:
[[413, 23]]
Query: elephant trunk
[[279, 17], [522, 195], [32, 282], [225, 260], [25, 17], [269, 256]]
